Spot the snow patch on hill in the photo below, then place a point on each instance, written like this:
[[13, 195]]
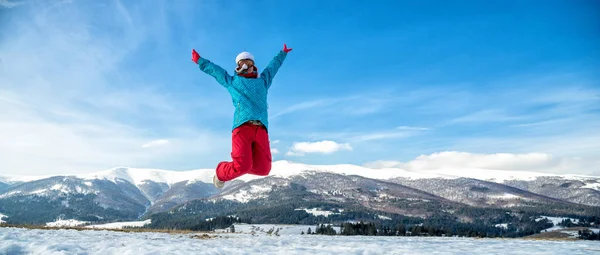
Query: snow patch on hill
[[249, 193], [66, 223], [120, 225], [504, 196], [2, 218], [595, 186], [317, 212], [555, 221], [382, 217], [502, 225], [86, 224]]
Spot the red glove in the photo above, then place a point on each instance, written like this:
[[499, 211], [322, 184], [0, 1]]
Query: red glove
[[285, 48], [195, 56]]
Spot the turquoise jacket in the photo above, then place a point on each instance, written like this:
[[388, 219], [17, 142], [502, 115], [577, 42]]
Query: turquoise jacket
[[249, 95]]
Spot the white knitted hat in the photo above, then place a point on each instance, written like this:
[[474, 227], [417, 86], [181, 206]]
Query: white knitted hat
[[244, 55]]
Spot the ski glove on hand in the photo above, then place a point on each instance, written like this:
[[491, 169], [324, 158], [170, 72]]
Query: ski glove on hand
[[195, 56]]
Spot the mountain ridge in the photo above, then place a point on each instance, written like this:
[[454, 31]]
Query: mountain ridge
[[137, 175], [133, 193]]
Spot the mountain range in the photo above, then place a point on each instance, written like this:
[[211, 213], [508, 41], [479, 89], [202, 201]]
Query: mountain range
[[122, 193]]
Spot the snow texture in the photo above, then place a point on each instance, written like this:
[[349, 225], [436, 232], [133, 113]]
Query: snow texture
[[2, 218], [36, 241]]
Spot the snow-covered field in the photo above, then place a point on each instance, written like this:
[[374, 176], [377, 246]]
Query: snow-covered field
[[244, 241], [555, 221]]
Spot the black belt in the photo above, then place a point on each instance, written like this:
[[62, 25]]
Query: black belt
[[255, 122]]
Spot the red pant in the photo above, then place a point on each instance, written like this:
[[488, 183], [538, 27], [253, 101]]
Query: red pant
[[250, 152]]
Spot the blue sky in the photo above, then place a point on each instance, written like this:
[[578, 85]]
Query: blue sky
[[88, 86]]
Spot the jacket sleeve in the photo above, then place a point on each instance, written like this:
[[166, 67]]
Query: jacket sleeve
[[215, 71], [269, 73]]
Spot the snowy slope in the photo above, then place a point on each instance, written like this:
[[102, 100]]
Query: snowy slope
[[555, 221], [51, 187], [500, 175], [2, 218], [137, 176], [287, 168]]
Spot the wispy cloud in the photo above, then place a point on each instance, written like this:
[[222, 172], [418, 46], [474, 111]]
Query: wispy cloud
[[397, 133], [8, 4], [413, 128], [155, 143], [488, 115], [304, 106], [322, 147], [367, 135], [347, 105], [69, 103]]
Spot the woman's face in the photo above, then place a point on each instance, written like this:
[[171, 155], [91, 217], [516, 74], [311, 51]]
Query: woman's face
[[248, 63]]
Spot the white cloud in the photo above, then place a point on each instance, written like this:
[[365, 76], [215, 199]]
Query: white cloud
[[323, 147], [370, 135], [380, 136], [155, 143], [304, 106], [488, 115], [507, 161], [274, 151], [536, 162], [73, 106]]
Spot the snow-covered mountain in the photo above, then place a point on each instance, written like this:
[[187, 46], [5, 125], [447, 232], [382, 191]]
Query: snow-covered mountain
[[129, 193], [119, 193]]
